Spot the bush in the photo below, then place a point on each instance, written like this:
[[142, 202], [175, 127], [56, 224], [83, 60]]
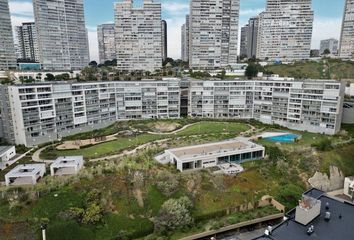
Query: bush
[[323, 145], [167, 183], [212, 215], [174, 214]]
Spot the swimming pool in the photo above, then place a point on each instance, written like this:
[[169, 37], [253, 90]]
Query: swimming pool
[[283, 138]]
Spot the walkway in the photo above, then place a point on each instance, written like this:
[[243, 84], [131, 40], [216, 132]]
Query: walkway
[[36, 155]]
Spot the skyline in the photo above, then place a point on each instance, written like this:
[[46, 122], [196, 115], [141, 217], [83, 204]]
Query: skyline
[[327, 24]]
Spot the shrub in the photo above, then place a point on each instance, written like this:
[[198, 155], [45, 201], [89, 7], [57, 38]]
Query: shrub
[[167, 183], [174, 214], [323, 145]]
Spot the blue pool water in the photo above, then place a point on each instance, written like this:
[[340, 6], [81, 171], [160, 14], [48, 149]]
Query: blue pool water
[[284, 138]]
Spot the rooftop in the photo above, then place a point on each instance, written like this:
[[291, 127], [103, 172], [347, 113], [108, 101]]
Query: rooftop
[[340, 225], [211, 149], [67, 161], [4, 149], [25, 170]]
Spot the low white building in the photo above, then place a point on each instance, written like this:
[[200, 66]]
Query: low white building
[[69, 165], [197, 157], [349, 187], [26, 174], [7, 152]]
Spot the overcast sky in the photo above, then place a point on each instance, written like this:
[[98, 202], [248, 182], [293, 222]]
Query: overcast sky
[[328, 18]]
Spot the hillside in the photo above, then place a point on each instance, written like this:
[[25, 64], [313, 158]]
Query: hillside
[[324, 69]]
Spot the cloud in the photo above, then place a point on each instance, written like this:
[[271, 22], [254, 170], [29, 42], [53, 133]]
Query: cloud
[[250, 12], [18, 8], [324, 28], [175, 8]]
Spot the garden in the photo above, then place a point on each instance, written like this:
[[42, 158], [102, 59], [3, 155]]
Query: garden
[[134, 197]]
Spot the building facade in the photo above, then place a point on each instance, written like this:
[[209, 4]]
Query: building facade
[[346, 49], [46, 112], [252, 38], [197, 157], [106, 42], [243, 43], [164, 39], [28, 42], [62, 35], [7, 49], [138, 34], [185, 40], [213, 33], [285, 30], [314, 106], [330, 44]]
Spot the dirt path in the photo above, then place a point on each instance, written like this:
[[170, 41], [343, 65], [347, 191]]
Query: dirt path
[[173, 132]]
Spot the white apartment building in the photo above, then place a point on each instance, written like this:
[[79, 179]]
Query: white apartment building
[[49, 111], [310, 105], [62, 35], [138, 36], [7, 49], [185, 40], [285, 30], [106, 42], [213, 33], [27, 41], [330, 44], [346, 49]]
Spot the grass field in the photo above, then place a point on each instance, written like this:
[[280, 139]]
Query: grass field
[[325, 69], [122, 143]]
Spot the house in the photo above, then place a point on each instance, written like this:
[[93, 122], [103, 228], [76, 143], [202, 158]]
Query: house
[[26, 174], [7, 152], [197, 157], [68, 165], [349, 187]]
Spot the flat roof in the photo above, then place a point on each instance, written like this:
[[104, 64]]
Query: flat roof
[[67, 161], [215, 148], [340, 226], [25, 170], [4, 149]]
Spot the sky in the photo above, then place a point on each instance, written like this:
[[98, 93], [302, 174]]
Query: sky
[[327, 24]]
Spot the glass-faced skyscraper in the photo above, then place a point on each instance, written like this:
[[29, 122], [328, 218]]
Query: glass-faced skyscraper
[[346, 49], [62, 35], [285, 30], [7, 49], [213, 33]]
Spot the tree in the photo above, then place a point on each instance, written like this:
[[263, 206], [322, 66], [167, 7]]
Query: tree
[[49, 77], [93, 64], [174, 214], [252, 70], [326, 51]]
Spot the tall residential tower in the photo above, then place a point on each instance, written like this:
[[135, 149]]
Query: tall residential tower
[[185, 40], [62, 35], [28, 42], [7, 49], [106, 42], [213, 33], [138, 35], [346, 49], [164, 39], [285, 30]]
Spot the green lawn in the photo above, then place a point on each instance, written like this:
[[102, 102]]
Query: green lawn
[[117, 146], [325, 69]]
